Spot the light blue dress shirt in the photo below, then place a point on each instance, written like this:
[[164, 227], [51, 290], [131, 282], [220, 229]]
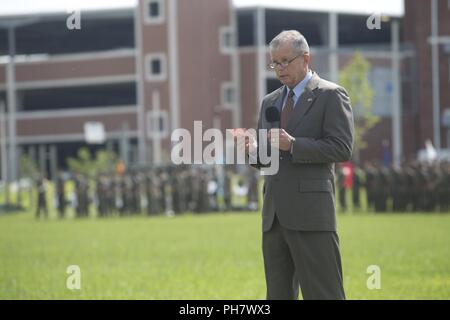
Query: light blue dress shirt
[[299, 88]]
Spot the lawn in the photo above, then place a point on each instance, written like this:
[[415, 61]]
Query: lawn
[[210, 256]]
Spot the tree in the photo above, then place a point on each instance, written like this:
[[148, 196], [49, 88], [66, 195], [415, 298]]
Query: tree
[[28, 167], [88, 166], [28, 170], [354, 78]]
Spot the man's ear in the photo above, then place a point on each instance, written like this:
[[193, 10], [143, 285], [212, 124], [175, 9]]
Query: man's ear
[[306, 58]]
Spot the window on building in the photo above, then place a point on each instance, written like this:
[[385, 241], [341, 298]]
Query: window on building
[[157, 126], [381, 81], [154, 11], [228, 94], [246, 28], [75, 96], [226, 39], [156, 67]]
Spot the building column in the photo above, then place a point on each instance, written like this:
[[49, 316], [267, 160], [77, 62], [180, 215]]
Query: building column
[[142, 139], [156, 138], [32, 155], [53, 157], [174, 74], [125, 145], [235, 68], [435, 74], [396, 94], [11, 98], [42, 159], [333, 44], [19, 152], [261, 54]]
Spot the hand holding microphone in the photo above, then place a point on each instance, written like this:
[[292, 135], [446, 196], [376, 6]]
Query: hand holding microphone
[[278, 138]]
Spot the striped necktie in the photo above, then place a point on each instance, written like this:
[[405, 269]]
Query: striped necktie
[[288, 107]]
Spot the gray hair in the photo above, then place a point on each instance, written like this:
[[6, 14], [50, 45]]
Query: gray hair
[[293, 37]]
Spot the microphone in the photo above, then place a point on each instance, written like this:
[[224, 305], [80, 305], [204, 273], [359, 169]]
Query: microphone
[[272, 115]]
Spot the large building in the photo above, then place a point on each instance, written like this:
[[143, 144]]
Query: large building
[[426, 26], [150, 67]]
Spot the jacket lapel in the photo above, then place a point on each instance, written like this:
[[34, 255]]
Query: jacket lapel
[[304, 103]]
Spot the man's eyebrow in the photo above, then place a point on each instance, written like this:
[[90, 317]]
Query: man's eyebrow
[[284, 59]]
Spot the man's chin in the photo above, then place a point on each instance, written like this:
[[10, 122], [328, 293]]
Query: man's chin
[[284, 82]]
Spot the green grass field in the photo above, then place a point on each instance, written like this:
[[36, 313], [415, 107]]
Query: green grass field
[[213, 256]]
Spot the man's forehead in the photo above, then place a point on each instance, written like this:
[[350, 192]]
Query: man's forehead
[[282, 51]]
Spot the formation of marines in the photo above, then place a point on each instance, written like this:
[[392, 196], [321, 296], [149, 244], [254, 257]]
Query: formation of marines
[[162, 190], [412, 187]]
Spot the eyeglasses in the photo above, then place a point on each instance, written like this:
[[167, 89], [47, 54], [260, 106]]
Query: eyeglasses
[[283, 64]]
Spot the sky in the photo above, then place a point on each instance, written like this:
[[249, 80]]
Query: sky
[[387, 7]]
